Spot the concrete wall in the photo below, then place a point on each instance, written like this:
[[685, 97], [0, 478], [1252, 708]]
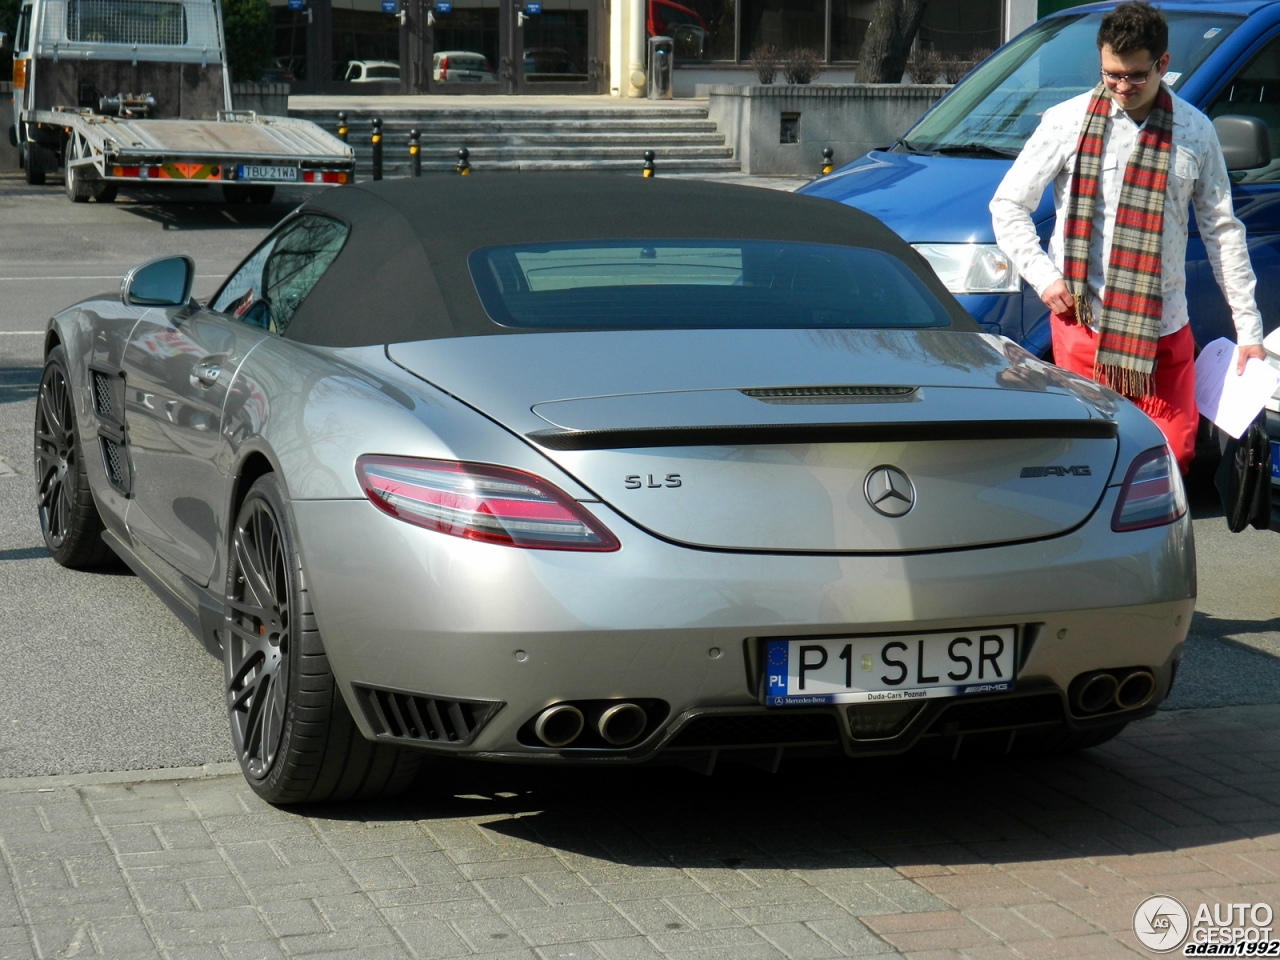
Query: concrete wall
[[851, 119], [267, 99], [688, 80]]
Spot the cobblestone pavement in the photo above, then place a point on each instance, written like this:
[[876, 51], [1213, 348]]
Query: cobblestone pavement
[[980, 858]]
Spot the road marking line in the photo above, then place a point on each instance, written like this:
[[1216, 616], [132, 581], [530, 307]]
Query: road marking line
[[20, 333]]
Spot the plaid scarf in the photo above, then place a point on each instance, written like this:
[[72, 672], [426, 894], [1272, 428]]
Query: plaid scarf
[[1131, 306]]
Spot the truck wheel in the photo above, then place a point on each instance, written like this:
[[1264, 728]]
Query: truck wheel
[[79, 190], [33, 162], [290, 727], [262, 194], [235, 193], [104, 192]]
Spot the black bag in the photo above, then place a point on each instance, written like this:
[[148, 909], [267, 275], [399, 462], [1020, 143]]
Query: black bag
[[1244, 479]]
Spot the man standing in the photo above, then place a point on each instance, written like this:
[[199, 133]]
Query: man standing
[[1124, 160]]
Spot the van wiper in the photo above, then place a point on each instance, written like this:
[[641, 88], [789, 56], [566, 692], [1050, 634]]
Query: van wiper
[[902, 142], [977, 149]]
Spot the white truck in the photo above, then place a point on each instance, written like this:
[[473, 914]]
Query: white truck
[[136, 92]]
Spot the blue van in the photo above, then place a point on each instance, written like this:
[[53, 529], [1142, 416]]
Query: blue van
[[933, 186]]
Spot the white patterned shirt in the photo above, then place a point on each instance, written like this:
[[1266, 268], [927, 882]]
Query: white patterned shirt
[[1197, 174]]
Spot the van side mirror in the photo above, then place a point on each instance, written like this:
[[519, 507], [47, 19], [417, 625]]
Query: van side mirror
[[159, 283], [1246, 144]]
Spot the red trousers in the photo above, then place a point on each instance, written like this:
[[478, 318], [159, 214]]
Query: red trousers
[[1173, 408]]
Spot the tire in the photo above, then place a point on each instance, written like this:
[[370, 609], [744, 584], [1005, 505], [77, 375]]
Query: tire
[[34, 163], [69, 518], [235, 193], [292, 733], [262, 194], [104, 192], [79, 189]]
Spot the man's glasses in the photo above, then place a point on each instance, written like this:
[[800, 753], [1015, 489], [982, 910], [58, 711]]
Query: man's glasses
[[1133, 79]]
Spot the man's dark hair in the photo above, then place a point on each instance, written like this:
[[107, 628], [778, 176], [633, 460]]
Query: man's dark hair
[[1134, 26]]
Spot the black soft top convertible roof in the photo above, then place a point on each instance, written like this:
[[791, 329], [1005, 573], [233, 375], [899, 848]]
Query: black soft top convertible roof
[[402, 274]]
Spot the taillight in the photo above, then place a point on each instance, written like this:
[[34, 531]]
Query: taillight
[[477, 501], [444, 68], [1152, 494]]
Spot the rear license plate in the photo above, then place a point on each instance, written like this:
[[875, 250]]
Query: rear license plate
[[252, 172], [1275, 461], [906, 667]]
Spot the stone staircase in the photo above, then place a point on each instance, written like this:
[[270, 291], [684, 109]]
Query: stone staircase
[[515, 137]]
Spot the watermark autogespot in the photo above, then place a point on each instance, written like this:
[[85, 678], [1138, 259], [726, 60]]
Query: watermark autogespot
[[1162, 924]]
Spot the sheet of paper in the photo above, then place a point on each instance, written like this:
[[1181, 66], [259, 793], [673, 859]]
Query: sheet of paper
[[1228, 400]]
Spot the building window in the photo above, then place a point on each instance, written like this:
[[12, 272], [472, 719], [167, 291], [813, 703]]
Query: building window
[[704, 30]]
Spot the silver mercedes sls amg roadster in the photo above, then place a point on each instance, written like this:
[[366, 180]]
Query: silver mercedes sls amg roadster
[[600, 469]]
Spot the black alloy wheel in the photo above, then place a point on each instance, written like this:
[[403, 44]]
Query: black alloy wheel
[[256, 652], [290, 727], [69, 518]]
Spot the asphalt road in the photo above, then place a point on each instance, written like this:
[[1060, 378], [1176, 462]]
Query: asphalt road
[[98, 675]]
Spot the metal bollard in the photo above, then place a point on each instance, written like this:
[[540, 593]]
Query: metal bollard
[[464, 165], [415, 155], [828, 164], [377, 149], [648, 170], [342, 127]]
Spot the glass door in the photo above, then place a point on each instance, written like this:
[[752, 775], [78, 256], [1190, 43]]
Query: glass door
[[467, 47], [557, 46]]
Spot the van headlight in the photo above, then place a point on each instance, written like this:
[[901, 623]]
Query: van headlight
[[971, 267]]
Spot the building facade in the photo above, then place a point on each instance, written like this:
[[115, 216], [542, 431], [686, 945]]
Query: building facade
[[591, 46]]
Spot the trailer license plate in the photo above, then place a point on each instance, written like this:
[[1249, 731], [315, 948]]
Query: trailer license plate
[[253, 172], [905, 667]]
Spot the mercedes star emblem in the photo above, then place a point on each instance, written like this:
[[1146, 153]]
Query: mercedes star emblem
[[889, 491]]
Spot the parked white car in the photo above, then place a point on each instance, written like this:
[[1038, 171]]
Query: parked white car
[[368, 71], [461, 66]]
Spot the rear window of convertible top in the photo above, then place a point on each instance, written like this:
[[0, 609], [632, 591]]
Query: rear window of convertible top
[[700, 284]]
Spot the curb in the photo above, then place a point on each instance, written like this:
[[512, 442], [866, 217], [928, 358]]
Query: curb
[[33, 784]]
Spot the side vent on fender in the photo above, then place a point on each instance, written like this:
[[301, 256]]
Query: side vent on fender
[[107, 390], [116, 465], [421, 718]]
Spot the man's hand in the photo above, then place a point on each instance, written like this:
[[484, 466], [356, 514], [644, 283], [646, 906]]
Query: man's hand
[[1254, 350], [1058, 298]]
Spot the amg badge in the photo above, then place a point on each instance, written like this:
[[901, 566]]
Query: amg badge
[[1079, 470]]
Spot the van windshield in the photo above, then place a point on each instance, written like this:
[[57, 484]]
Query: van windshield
[[998, 107]]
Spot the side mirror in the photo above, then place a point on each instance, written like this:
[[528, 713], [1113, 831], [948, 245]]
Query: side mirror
[[1246, 144], [159, 283]]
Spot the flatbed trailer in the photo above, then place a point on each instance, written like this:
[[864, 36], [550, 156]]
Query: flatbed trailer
[[135, 92]]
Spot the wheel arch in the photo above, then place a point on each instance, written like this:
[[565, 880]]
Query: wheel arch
[[255, 464]]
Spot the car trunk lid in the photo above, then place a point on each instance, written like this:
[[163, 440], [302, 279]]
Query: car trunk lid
[[792, 451]]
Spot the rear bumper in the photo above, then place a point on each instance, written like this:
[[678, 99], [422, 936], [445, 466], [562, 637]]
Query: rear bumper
[[404, 609]]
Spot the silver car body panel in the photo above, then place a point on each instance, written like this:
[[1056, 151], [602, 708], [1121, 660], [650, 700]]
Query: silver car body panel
[[411, 609]]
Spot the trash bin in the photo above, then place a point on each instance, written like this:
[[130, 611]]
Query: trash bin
[[662, 55]]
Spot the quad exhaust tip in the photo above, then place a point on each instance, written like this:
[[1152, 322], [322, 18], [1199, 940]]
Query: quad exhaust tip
[[1097, 693], [1135, 689], [560, 725], [1102, 691], [622, 723]]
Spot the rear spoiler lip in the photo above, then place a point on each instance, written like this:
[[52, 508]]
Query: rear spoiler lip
[[780, 433]]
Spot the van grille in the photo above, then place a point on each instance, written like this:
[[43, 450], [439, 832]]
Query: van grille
[[425, 719]]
